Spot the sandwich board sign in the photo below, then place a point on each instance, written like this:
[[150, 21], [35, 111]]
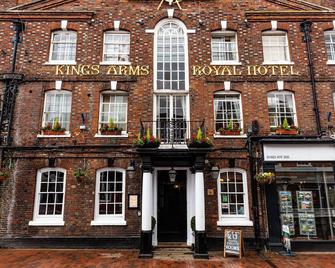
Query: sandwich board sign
[[233, 242]]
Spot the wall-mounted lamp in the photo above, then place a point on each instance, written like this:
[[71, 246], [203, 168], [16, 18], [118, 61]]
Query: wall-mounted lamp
[[172, 175], [131, 169], [83, 120], [140, 22], [200, 22], [215, 172]]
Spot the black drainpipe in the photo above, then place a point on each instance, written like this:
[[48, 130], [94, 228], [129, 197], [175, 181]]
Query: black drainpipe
[[306, 28], [255, 208], [18, 27]]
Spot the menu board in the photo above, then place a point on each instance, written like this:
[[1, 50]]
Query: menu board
[[233, 242], [306, 213], [285, 198], [305, 201], [307, 224], [288, 220]]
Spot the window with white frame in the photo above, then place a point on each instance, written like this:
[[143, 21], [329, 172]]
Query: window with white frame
[[113, 109], [63, 46], [110, 197], [275, 47], [330, 45], [116, 47], [171, 58], [233, 197], [227, 111], [49, 197], [224, 47], [57, 108], [281, 105]]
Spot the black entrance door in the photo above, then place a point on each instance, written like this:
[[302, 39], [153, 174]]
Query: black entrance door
[[171, 224]]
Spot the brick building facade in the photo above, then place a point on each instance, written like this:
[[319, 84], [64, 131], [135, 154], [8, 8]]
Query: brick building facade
[[211, 65]]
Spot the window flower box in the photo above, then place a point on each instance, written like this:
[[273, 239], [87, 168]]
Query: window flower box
[[286, 129], [232, 129], [200, 140], [55, 129], [111, 132], [146, 141], [4, 174], [110, 129]]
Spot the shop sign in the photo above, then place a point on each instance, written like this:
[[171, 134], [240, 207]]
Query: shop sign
[[93, 69], [249, 70], [299, 152], [233, 242]]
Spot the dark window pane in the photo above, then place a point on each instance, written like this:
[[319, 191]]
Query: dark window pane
[[51, 198], [44, 177], [103, 176], [43, 198], [58, 210], [111, 175], [111, 187], [60, 176], [59, 187], [119, 187], [118, 197], [118, 209], [110, 209], [102, 198], [44, 187], [103, 187], [102, 209], [52, 177], [50, 209], [59, 198], [232, 209], [42, 210], [52, 187], [118, 176]]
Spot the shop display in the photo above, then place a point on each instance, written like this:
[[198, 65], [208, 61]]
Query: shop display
[[288, 219], [285, 198], [307, 224], [305, 201]]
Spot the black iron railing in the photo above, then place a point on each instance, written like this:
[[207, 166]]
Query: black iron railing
[[175, 131]]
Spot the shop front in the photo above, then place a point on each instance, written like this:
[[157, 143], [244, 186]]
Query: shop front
[[302, 197]]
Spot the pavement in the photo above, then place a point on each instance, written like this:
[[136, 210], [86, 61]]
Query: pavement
[[70, 258]]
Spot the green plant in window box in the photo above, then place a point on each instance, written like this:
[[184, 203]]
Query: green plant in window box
[[146, 141], [200, 140], [54, 129], [82, 175], [265, 177], [232, 129], [4, 174], [110, 128], [286, 129]]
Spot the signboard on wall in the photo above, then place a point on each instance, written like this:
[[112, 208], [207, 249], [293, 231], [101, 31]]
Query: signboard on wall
[[233, 242], [299, 152]]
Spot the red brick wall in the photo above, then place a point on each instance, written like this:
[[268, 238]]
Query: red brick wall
[[34, 52]]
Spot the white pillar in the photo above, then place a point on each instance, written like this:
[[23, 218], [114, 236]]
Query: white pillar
[[146, 201], [199, 201]]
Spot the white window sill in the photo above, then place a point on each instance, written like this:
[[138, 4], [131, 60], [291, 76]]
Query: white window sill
[[60, 63], [115, 63], [225, 63], [54, 136], [108, 222], [111, 136], [174, 146], [47, 222], [331, 62], [218, 136], [234, 222], [278, 63]]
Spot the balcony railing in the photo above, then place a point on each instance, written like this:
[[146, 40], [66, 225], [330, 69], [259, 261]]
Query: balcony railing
[[175, 131]]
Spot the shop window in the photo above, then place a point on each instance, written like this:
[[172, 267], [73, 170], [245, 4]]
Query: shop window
[[281, 105], [63, 47], [228, 113], [275, 47], [233, 198], [116, 47], [330, 45], [49, 197], [110, 197], [171, 56], [224, 47], [57, 108], [113, 113], [307, 202]]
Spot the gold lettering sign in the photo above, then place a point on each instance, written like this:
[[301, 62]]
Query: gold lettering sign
[[91, 69], [249, 70]]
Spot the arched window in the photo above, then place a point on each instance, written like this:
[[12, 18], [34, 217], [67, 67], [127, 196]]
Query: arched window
[[116, 47], [228, 112], [330, 45], [233, 197], [57, 108], [171, 56], [110, 197], [275, 47], [224, 47], [281, 105], [63, 47], [49, 197]]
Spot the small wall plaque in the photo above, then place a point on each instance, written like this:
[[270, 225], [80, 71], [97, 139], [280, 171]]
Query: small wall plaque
[[133, 201], [210, 191]]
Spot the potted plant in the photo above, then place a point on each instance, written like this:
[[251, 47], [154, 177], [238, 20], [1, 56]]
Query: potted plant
[[4, 174], [82, 175], [231, 129], [265, 177], [153, 223], [146, 141], [110, 128], [54, 129], [286, 129], [200, 140]]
